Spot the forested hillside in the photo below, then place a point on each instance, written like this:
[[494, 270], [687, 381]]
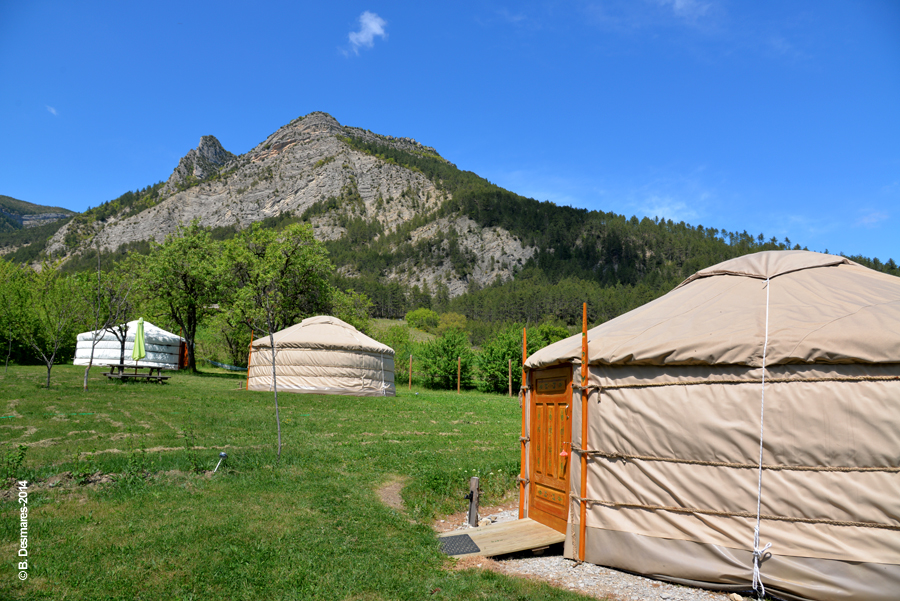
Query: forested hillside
[[612, 262]]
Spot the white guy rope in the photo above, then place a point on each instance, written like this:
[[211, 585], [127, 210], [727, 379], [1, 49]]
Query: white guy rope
[[757, 552]]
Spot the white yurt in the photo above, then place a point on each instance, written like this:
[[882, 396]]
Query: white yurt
[[749, 420], [163, 348], [323, 355]]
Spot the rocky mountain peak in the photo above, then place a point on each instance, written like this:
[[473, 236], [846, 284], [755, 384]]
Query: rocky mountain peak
[[198, 164], [333, 176]]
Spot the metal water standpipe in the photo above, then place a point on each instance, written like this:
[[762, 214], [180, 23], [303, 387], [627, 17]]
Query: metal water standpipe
[[222, 457]]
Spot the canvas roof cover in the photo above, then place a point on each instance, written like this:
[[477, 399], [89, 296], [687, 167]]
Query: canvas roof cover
[[823, 309], [323, 332], [162, 347], [323, 355]]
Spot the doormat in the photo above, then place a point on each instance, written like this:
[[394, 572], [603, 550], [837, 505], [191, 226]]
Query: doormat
[[460, 544]]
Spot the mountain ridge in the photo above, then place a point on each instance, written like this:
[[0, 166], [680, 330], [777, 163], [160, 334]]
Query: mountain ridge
[[18, 214], [308, 162], [395, 215]]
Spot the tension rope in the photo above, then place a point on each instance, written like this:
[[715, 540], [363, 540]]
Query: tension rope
[[759, 553]]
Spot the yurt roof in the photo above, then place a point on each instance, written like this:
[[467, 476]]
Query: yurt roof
[[821, 309], [152, 334], [324, 332]]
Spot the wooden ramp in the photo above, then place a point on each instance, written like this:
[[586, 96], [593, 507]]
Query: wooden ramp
[[499, 539]]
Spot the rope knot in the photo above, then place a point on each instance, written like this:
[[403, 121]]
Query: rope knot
[[759, 555]]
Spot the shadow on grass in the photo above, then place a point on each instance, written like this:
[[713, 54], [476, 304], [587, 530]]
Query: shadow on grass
[[222, 375]]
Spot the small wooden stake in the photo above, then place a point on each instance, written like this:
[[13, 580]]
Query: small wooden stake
[[458, 372], [410, 372], [473, 501], [510, 377]]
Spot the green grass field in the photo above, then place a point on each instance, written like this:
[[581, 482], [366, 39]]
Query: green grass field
[[309, 527]]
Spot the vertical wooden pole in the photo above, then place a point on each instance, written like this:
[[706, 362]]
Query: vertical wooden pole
[[473, 501], [249, 359], [523, 468], [458, 372], [510, 377], [524, 353], [584, 430], [410, 371]]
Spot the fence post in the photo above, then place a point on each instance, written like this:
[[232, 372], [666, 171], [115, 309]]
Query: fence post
[[458, 372], [510, 377], [473, 501], [410, 371]]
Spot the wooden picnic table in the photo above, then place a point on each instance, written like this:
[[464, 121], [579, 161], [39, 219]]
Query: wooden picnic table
[[117, 371]]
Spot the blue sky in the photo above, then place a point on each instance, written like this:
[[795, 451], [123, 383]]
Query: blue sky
[[780, 118]]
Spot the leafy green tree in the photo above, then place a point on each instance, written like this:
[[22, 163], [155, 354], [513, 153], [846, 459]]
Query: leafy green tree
[[108, 303], [55, 307], [451, 321], [275, 278], [353, 308], [494, 359], [495, 356], [439, 359], [423, 319], [397, 337], [545, 334], [12, 303], [180, 279]]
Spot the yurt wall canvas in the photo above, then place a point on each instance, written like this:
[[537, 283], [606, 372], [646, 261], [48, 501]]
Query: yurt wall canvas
[[162, 348], [323, 355], [678, 413]]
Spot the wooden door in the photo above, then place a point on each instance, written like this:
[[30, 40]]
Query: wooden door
[[551, 452]]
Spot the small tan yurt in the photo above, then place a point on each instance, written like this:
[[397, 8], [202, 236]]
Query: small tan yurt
[[761, 395], [323, 355]]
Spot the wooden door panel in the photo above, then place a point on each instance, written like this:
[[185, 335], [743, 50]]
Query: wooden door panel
[[551, 433]]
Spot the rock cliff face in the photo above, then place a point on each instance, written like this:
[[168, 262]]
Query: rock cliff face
[[198, 164], [304, 163]]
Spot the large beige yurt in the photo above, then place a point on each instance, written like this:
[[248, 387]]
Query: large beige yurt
[[765, 391], [323, 355]]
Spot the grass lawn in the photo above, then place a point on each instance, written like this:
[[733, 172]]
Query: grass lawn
[[309, 527]]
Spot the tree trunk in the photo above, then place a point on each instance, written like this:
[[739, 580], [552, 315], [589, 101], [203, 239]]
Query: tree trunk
[[192, 360], [8, 353], [49, 367], [90, 360]]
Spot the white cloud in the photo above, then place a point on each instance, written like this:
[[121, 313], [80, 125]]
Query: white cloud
[[51, 110], [891, 188], [872, 218], [515, 19], [687, 9], [666, 207], [370, 26]]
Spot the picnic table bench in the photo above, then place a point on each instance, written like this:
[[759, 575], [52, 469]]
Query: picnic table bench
[[117, 371]]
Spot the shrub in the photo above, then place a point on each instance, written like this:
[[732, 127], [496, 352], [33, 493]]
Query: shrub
[[423, 319], [439, 359], [496, 353], [451, 321]]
